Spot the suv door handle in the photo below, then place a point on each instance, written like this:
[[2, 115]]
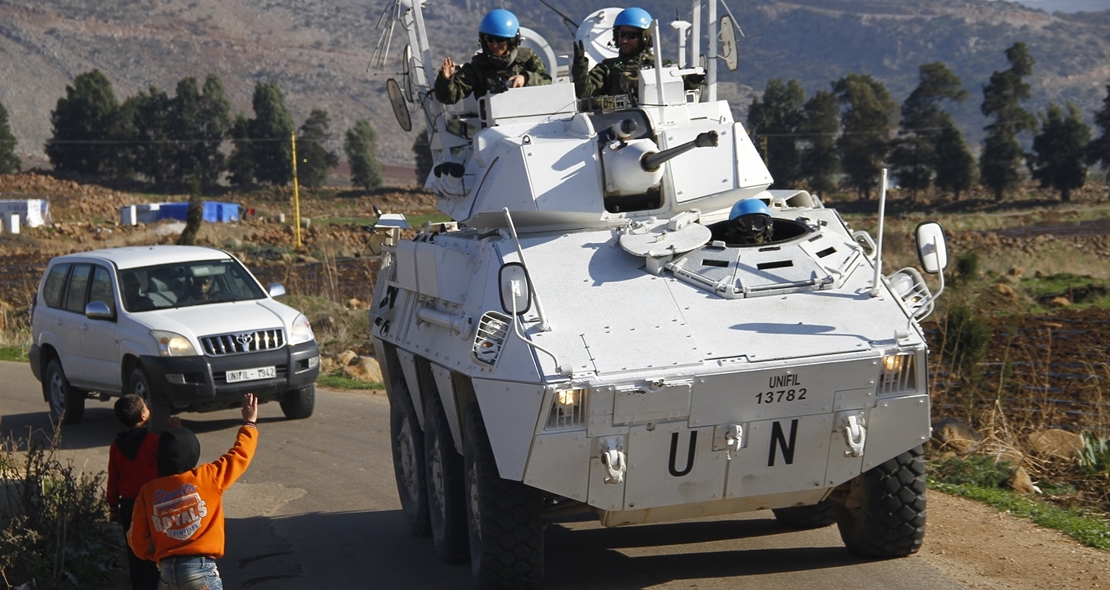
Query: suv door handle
[[85, 327], [57, 322]]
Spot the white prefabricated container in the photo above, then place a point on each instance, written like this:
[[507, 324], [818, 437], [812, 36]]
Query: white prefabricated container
[[32, 212], [128, 215]]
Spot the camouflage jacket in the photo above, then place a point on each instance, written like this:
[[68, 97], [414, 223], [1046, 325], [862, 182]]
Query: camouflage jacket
[[481, 76], [616, 75]]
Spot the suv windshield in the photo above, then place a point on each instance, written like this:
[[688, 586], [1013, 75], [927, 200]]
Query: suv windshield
[[185, 284]]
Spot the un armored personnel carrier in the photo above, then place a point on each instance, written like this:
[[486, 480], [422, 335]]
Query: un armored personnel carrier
[[580, 340]]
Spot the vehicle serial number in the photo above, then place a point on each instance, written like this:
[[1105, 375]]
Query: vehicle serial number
[[780, 396], [251, 374]]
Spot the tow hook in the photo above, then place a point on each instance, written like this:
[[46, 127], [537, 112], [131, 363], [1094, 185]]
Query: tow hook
[[728, 438], [854, 427], [611, 454]]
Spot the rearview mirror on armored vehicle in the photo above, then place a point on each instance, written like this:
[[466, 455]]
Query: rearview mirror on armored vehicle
[[932, 250], [727, 36], [516, 288], [406, 73], [400, 109]]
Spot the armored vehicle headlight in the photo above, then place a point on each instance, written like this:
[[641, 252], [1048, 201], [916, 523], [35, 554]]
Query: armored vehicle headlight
[[569, 397], [568, 409], [899, 374], [173, 344]]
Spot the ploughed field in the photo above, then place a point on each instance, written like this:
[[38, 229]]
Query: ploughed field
[[1046, 370]]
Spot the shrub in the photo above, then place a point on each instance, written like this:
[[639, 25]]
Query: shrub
[[966, 336], [52, 527], [1095, 455]]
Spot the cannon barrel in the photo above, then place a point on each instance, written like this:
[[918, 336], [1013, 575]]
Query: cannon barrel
[[651, 162]]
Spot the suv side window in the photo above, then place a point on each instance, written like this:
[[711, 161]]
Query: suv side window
[[78, 284], [102, 288], [55, 281]]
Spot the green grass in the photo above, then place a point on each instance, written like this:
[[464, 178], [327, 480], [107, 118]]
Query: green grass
[[1083, 291], [980, 478], [341, 382], [13, 353]]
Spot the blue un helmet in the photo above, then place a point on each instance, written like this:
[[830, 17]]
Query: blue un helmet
[[749, 222], [635, 17], [499, 23]]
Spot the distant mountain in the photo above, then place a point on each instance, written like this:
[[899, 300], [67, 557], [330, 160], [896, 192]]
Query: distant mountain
[[318, 50], [1067, 6]]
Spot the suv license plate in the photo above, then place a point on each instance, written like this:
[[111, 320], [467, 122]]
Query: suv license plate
[[251, 374]]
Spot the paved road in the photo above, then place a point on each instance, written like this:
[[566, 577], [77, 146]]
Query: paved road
[[319, 508]]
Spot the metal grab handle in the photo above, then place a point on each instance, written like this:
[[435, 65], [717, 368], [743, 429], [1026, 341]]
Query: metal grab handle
[[611, 454], [855, 434]]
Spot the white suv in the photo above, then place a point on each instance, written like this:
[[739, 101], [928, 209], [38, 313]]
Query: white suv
[[187, 328]]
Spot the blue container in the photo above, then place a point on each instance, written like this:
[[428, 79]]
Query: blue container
[[213, 212]]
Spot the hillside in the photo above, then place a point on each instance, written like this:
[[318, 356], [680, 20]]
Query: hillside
[[318, 50]]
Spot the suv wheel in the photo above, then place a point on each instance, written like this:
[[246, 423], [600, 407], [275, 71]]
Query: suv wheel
[[67, 403], [159, 409], [299, 403]]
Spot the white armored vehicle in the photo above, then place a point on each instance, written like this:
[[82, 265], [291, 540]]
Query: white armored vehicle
[[582, 339]]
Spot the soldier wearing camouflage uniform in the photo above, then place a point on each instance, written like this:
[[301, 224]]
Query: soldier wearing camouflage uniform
[[501, 65], [621, 74]]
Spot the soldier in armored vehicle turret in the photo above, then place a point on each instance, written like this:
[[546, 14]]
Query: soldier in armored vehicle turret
[[621, 74], [749, 222], [502, 63]]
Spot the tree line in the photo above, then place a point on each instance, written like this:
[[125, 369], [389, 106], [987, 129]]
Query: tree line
[[850, 132], [177, 141], [837, 138]]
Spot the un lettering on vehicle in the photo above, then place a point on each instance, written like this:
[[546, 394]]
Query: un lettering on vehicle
[[671, 464], [782, 455]]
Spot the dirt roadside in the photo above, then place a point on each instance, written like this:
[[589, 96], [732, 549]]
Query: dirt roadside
[[984, 548]]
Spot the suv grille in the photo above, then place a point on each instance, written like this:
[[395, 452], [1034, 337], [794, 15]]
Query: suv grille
[[238, 343]]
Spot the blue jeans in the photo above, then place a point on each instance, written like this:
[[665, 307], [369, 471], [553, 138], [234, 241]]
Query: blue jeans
[[190, 573]]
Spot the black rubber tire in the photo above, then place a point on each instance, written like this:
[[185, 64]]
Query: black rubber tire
[[506, 532], [67, 403], [407, 443], [443, 470], [819, 515], [160, 410], [299, 404], [884, 515]]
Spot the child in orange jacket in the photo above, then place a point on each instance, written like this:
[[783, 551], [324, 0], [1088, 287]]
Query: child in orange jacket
[[178, 520], [132, 461]]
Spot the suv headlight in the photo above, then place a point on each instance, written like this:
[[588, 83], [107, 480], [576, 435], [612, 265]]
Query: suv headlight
[[301, 331], [173, 344]]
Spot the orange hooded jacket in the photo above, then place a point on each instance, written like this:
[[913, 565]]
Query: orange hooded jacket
[[182, 515]]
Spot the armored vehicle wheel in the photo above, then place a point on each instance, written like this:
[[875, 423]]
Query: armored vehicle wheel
[[67, 403], [159, 410], [819, 515], [503, 517], [407, 442], [446, 490], [884, 512], [299, 403]]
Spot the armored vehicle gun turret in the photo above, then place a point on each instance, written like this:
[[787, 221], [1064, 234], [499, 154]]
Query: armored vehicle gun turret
[[587, 335]]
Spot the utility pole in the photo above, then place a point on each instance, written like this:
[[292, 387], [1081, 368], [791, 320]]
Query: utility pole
[[296, 197]]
